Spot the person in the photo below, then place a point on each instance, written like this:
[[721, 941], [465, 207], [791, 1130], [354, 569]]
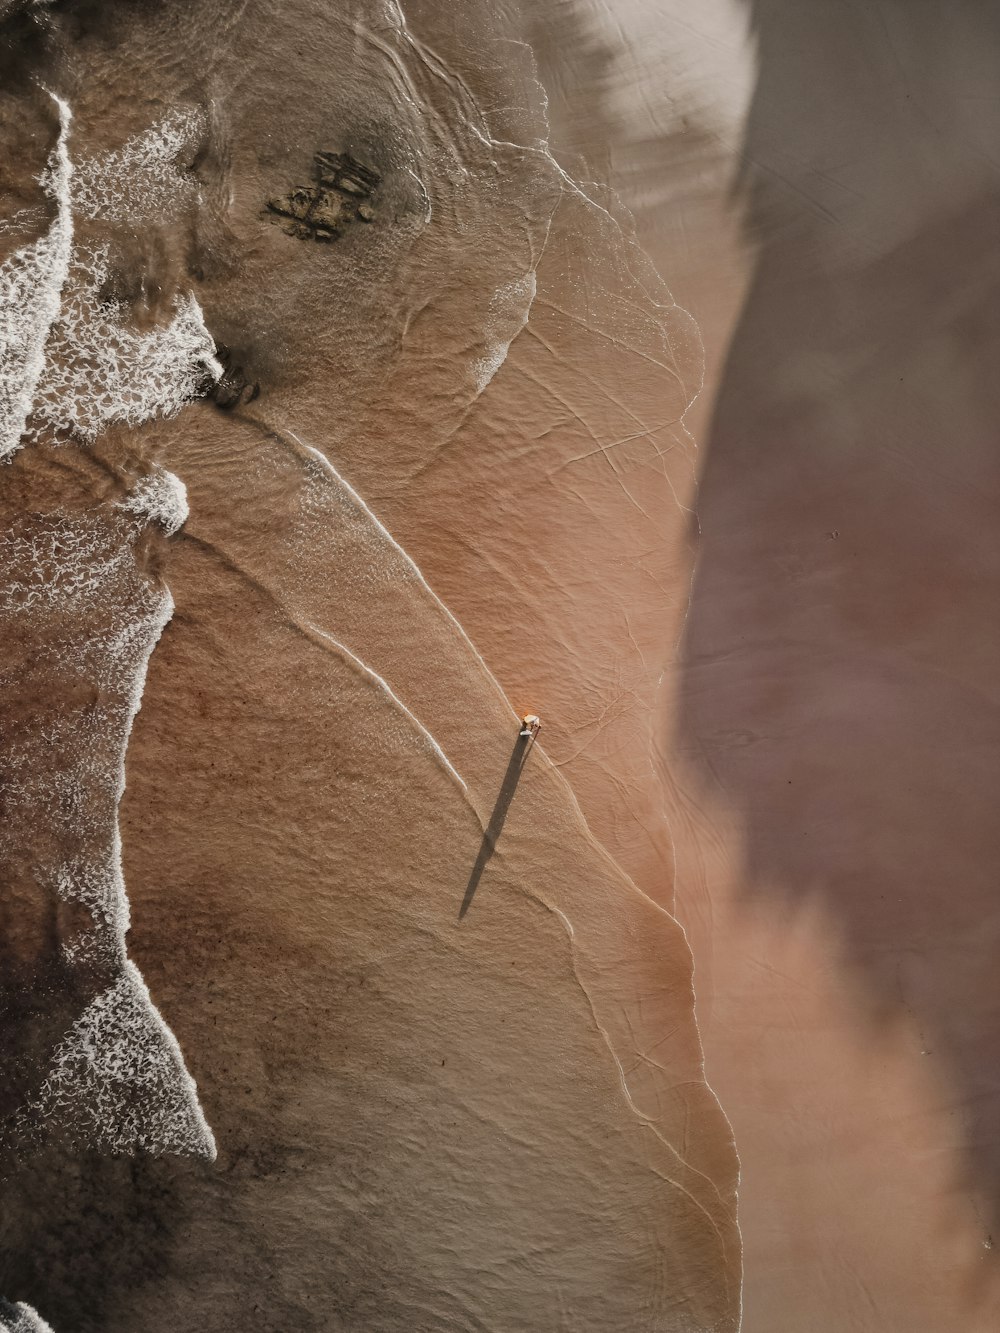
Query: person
[[530, 725]]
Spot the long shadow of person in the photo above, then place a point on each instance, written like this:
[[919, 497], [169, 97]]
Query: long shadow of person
[[841, 657], [489, 844]]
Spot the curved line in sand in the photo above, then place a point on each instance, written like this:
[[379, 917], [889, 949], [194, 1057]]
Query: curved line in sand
[[383, 685]]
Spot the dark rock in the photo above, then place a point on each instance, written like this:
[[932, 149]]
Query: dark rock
[[340, 196], [233, 387]]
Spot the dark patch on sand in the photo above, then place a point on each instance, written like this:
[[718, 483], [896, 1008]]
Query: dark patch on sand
[[234, 386], [340, 196]]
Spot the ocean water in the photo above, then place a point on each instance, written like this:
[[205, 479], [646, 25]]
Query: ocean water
[[79, 622], [342, 424]]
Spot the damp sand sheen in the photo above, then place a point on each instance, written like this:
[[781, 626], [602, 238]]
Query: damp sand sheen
[[272, 1061]]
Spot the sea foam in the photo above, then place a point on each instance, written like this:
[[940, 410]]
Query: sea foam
[[141, 181], [118, 1080], [71, 364], [507, 315], [69, 359], [159, 498], [98, 371], [21, 1318], [31, 283]]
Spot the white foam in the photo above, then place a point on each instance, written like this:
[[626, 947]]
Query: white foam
[[77, 569], [507, 316], [160, 498], [26, 1320], [118, 1079], [23, 220], [141, 181], [98, 370], [73, 362], [124, 1017], [70, 357], [31, 283], [61, 564]]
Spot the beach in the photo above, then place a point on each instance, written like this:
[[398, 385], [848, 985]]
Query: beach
[[372, 378], [450, 1079]]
